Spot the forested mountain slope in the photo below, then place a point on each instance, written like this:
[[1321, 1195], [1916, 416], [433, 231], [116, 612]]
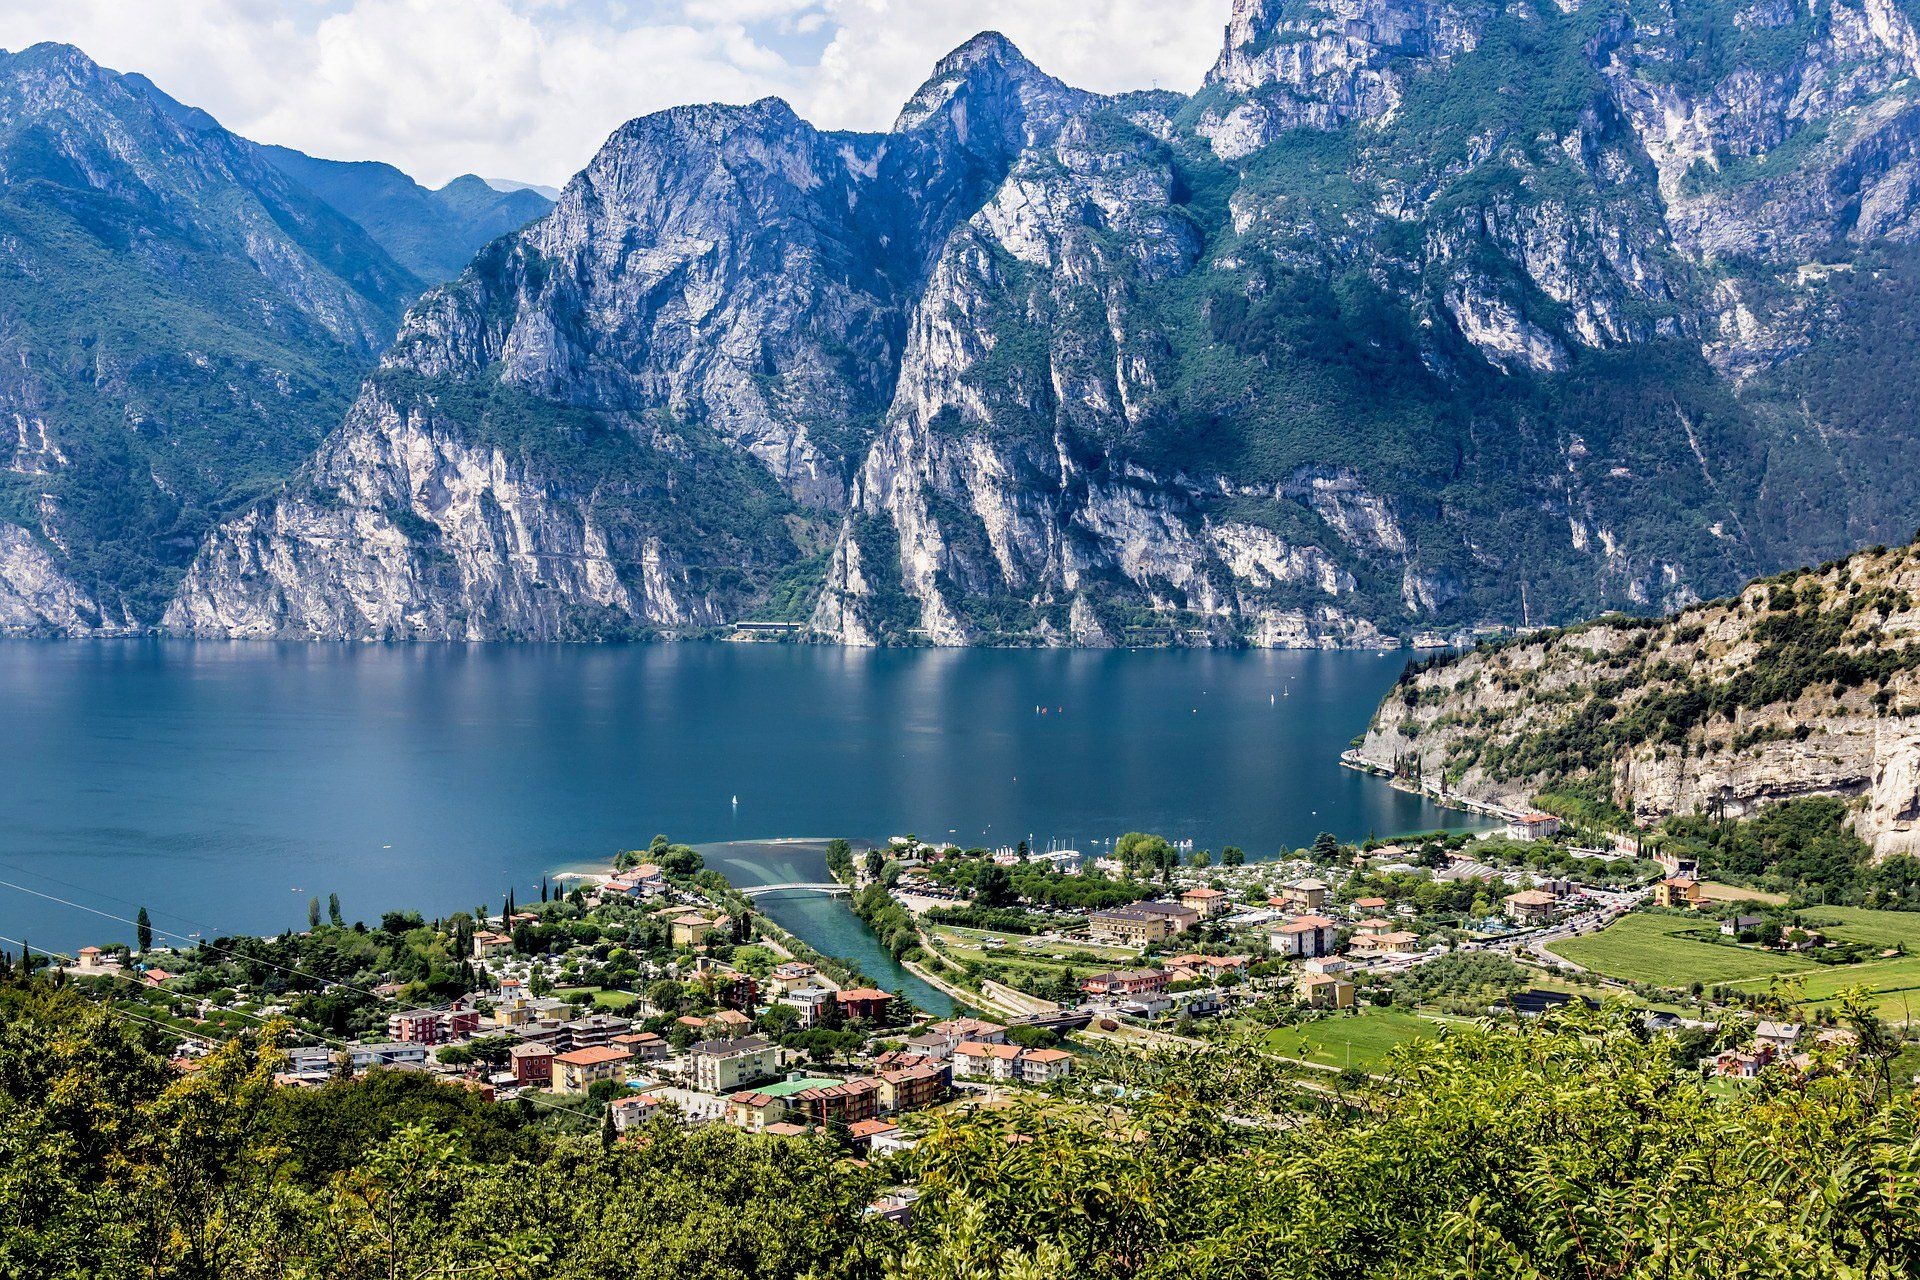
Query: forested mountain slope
[[180, 323], [1803, 684], [432, 233], [1417, 316]]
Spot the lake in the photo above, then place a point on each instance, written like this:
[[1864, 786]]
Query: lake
[[223, 784]]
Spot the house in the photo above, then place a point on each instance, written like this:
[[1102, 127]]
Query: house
[[863, 1003], [1776, 1037], [643, 881], [91, 960], [722, 1066], [690, 928], [580, 1069], [1739, 1066], [792, 975], [954, 1030], [1306, 936], [1206, 903], [1373, 927], [631, 1113], [1360, 907], [1129, 926], [644, 1046], [1677, 891], [804, 1101], [154, 977], [1326, 964], [417, 1026], [1533, 825], [913, 1087], [1401, 942], [1324, 991], [1042, 1066], [1740, 924], [492, 946], [1531, 906], [863, 1133], [1179, 918], [1303, 895], [1125, 982]]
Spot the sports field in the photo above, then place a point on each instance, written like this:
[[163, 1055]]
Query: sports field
[[1362, 1039]]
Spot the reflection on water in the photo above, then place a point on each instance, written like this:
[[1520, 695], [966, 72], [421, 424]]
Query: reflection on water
[[221, 785]]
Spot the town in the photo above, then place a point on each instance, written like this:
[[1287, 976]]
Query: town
[[656, 991]]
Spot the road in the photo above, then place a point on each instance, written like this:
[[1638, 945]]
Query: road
[[1608, 907]]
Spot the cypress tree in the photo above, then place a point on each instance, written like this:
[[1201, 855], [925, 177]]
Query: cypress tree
[[143, 930]]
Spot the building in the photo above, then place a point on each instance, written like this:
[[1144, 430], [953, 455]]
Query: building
[[810, 1001], [1324, 991], [1372, 927], [1179, 918], [1124, 982], [1678, 891], [914, 1087], [433, 1026], [532, 1064], [643, 881], [1307, 936], [690, 928], [804, 1101], [1531, 906], [631, 1113], [792, 976], [492, 946], [1400, 942], [863, 1003], [954, 1030], [1533, 825], [580, 1069], [736, 991], [1042, 1066], [1303, 895], [723, 1066], [976, 1061], [1776, 1037], [644, 1046], [1010, 1062], [593, 1032], [1740, 924], [1360, 907], [1129, 926], [865, 1132], [1206, 903]]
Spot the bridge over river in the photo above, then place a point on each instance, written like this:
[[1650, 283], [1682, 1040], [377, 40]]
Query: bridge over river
[[761, 890]]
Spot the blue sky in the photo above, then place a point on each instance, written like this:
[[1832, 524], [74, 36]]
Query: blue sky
[[528, 89]]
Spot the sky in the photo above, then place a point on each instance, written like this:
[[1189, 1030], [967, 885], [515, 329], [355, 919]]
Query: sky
[[528, 89]]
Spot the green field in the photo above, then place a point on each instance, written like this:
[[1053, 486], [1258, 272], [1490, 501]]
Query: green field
[[602, 999], [1362, 1039], [1654, 948], [1895, 984], [1860, 924]]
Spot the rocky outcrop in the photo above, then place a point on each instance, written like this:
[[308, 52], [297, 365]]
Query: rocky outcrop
[[1420, 317], [1808, 684], [36, 599]]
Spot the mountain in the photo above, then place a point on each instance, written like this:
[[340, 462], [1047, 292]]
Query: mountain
[[180, 324], [433, 234], [1803, 684], [1419, 316]]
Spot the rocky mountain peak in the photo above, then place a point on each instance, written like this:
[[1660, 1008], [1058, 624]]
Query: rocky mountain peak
[[991, 97]]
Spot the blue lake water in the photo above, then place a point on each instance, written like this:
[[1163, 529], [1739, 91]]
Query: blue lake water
[[223, 784]]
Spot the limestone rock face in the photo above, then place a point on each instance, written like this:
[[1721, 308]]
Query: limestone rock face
[[1807, 685], [1422, 317]]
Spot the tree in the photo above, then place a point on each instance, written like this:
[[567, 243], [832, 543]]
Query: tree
[[313, 912], [873, 863], [996, 887], [1326, 847], [1201, 859], [143, 931], [333, 910], [1233, 856]]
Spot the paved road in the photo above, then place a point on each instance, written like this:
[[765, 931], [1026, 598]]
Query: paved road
[[1608, 907]]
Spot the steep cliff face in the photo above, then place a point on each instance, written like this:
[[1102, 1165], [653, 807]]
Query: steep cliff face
[[1806, 684], [1417, 317]]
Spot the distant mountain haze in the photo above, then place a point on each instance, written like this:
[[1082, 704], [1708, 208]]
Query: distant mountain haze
[[1417, 318]]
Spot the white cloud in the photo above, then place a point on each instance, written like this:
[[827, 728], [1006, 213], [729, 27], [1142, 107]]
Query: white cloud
[[529, 88]]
